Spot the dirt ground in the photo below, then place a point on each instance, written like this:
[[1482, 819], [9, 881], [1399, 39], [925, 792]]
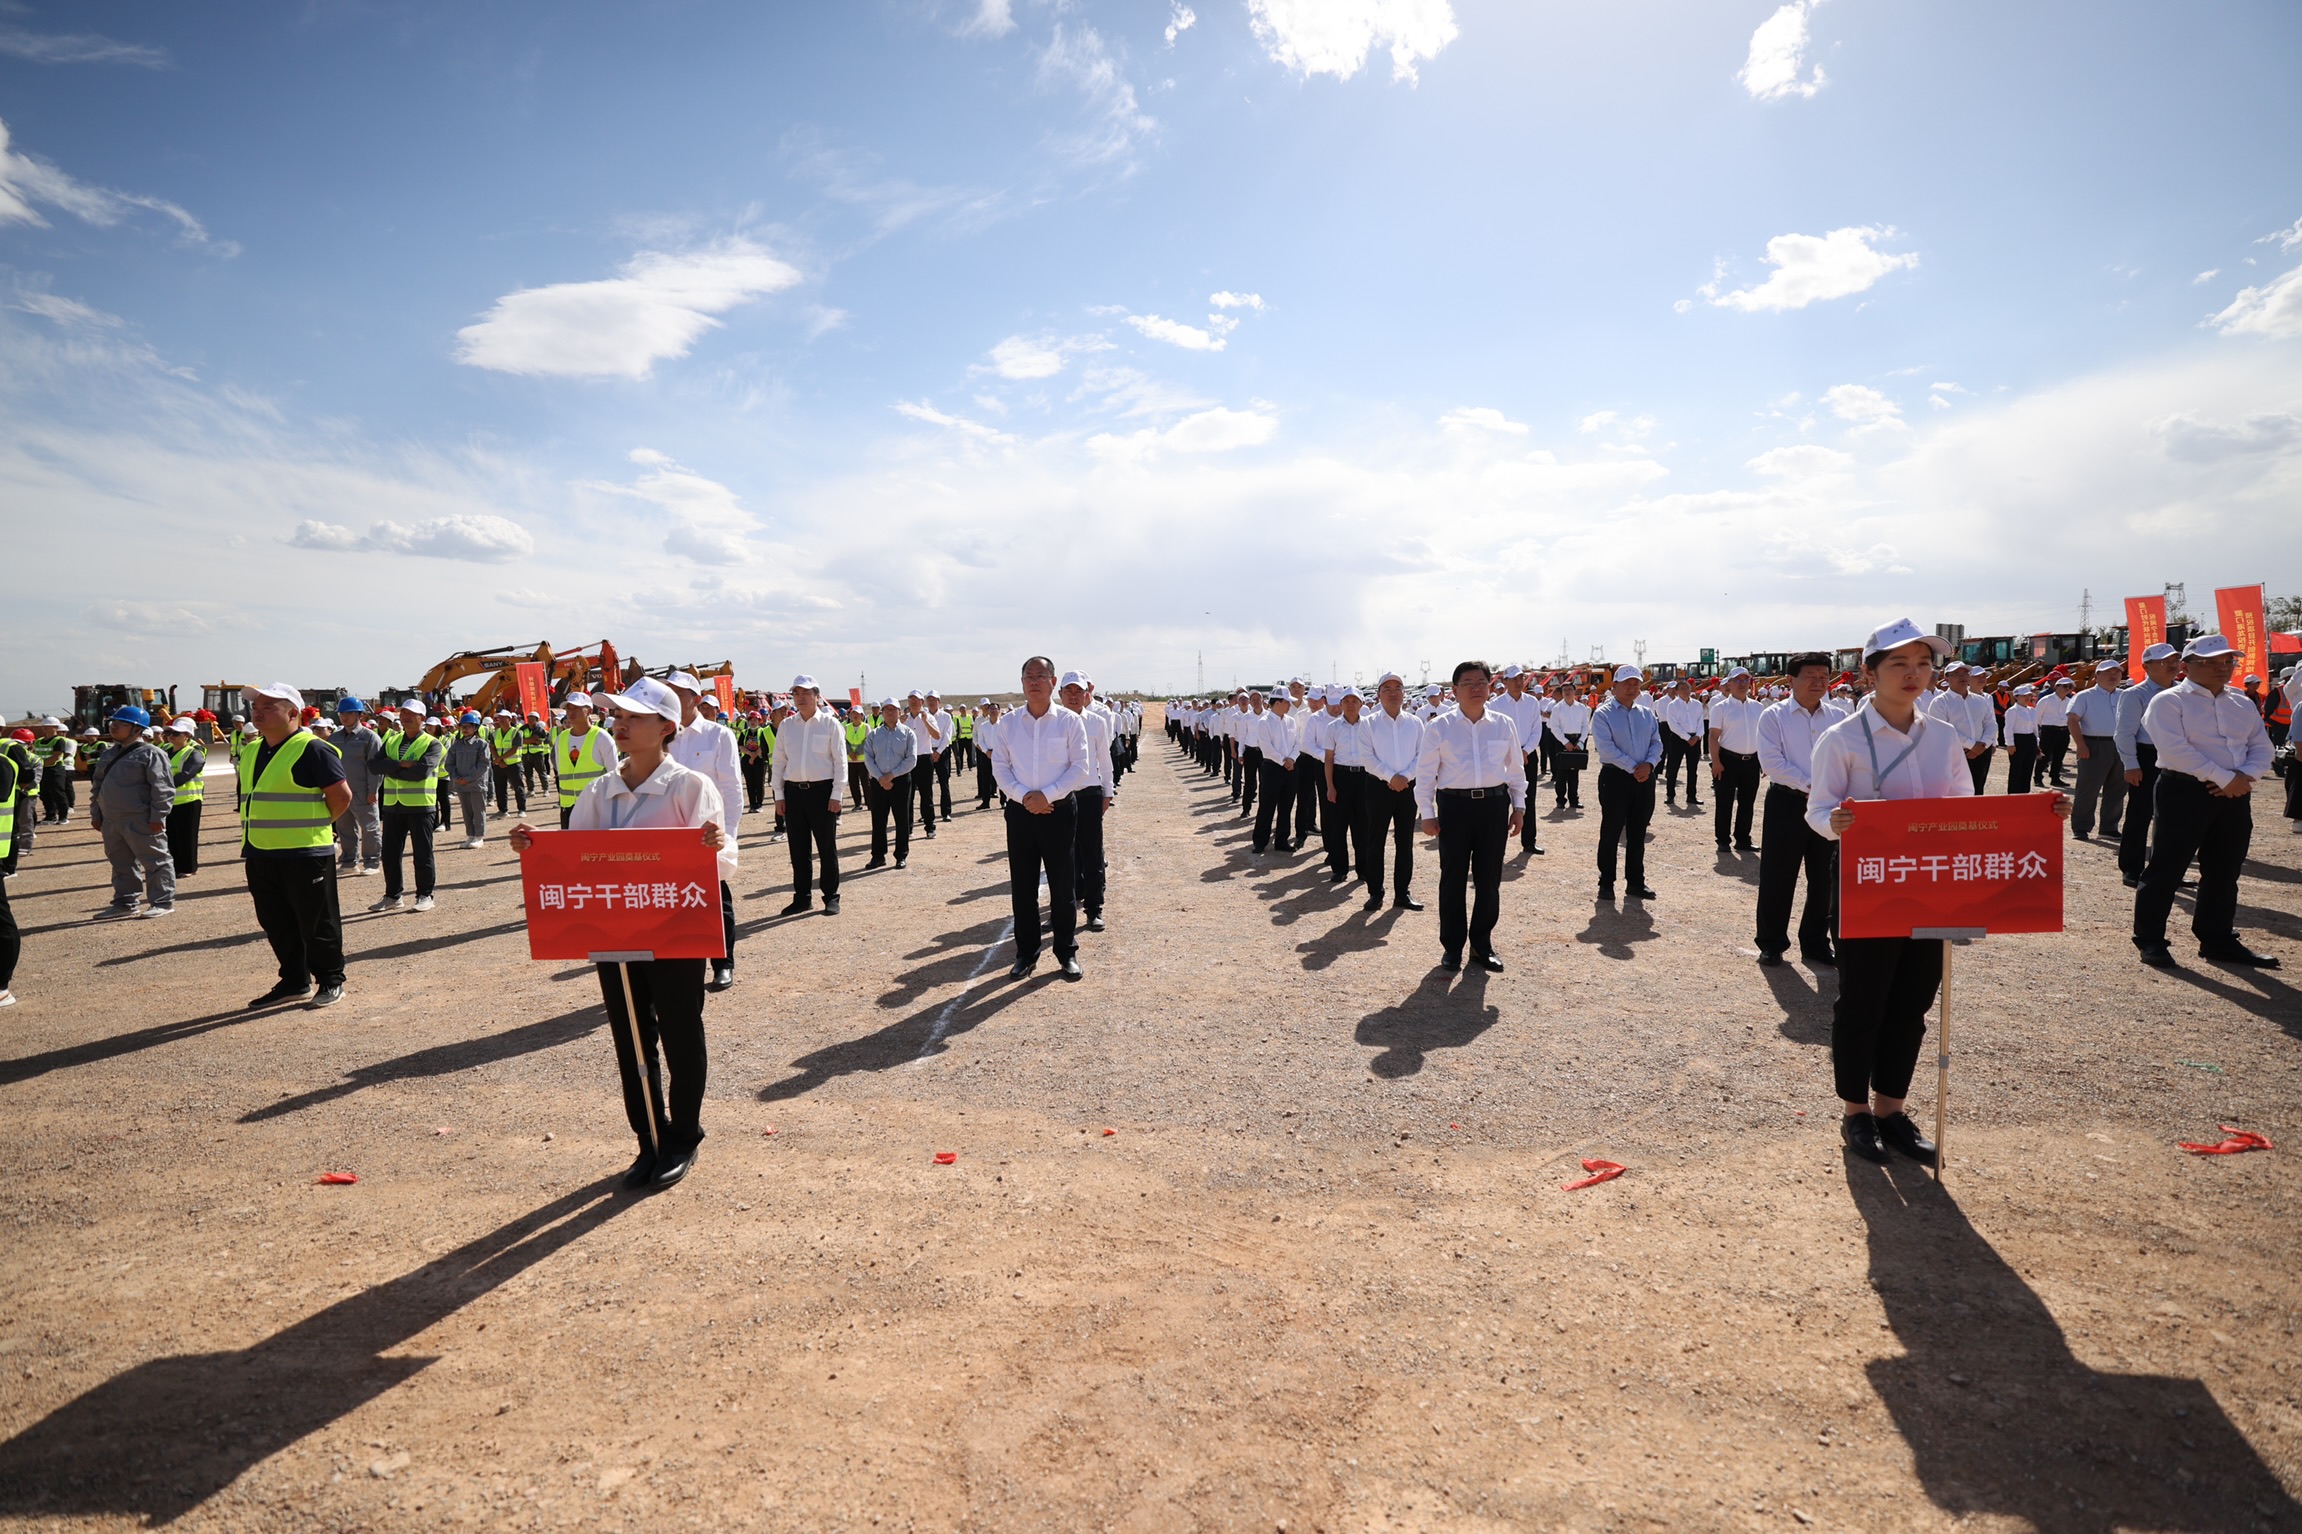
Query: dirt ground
[[1322, 1276]]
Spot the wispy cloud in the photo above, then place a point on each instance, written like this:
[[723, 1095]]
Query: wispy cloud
[[1021, 359], [1228, 300], [81, 48], [1076, 57], [992, 18], [1334, 37], [28, 183], [1179, 21], [1481, 418], [856, 178], [1175, 333], [1815, 268], [1218, 430], [705, 522], [622, 326], [481, 539], [2191, 440], [1862, 405], [1777, 66], [2274, 309], [927, 414]]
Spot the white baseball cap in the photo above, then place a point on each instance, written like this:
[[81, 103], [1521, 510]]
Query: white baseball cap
[[2024, 688], [2101, 666], [1073, 679], [281, 691], [2160, 652], [1632, 674], [647, 696], [1511, 671], [803, 680], [1893, 636], [176, 726], [1730, 676], [412, 707], [1390, 676], [982, 701], [577, 700], [684, 681], [2209, 645]]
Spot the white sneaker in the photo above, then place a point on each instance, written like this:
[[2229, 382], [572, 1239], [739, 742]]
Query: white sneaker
[[7, 998], [151, 911], [473, 844], [423, 902], [115, 913], [388, 903]]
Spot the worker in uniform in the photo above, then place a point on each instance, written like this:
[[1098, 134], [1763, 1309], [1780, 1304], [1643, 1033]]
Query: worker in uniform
[[58, 754], [581, 752], [2054, 728], [1279, 737], [1629, 746], [1095, 800], [2018, 732], [506, 752], [188, 771], [889, 754], [1471, 789], [536, 750], [810, 779], [1394, 755], [1524, 705], [22, 748], [443, 793], [360, 837], [2094, 734], [856, 727], [411, 769], [1346, 775], [1787, 731], [649, 791], [705, 745], [464, 765], [1040, 759], [1967, 709], [291, 791], [962, 739], [2138, 758], [986, 728], [129, 799], [1732, 744], [2212, 749], [11, 939], [946, 735]]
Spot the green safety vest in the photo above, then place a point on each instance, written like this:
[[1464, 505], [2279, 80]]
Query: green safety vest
[[8, 819], [276, 813], [410, 793], [195, 791], [537, 744], [574, 764], [964, 726], [855, 734]]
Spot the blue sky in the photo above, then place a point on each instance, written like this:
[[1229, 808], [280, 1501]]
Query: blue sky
[[902, 338]]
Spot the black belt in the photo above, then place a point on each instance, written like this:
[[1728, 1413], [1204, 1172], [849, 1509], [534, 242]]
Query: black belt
[[1346, 767], [1474, 793], [1740, 756]]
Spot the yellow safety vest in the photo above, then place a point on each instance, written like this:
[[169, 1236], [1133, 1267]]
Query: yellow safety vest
[[411, 793], [855, 734], [574, 764], [197, 790], [276, 813], [8, 814]]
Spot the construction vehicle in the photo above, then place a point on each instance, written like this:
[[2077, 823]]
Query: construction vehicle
[[224, 700], [94, 703]]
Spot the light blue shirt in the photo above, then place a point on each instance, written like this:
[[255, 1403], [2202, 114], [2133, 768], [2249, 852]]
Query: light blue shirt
[[2131, 702], [2094, 712], [1626, 737], [889, 751]]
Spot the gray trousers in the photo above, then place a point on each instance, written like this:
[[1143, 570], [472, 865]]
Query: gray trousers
[[140, 860], [360, 832], [2101, 775], [475, 807]]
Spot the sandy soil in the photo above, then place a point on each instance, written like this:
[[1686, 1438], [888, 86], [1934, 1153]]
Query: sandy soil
[[1322, 1276]]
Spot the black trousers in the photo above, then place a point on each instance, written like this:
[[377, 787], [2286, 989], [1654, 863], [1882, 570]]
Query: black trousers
[[754, 783], [1338, 815], [184, 837], [667, 994], [1979, 768], [2194, 823], [1278, 803], [1625, 807], [727, 919], [1046, 844], [55, 794], [1550, 747], [11, 945], [510, 781], [888, 804], [923, 785], [943, 779], [1231, 768], [1250, 774], [1737, 790], [1383, 809], [1787, 844], [986, 782], [444, 804], [1087, 868], [1885, 985], [401, 827], [856, 779], [2053, 746], [2022, 764], [1534, 762], [1474, 834], [2133, 836], [296, 906], [1567, 782], [1310, 796], [814, 837]]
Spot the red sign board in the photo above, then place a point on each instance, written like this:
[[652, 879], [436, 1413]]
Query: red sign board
[[2240, 608], [535, 689], [2145, 626], [1992, 861], [631, 892], [723, 686]]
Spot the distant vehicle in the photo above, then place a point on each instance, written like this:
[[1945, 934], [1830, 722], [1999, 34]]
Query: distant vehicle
[[95, 702]]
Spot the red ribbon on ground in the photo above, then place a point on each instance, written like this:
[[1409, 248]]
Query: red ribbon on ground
[[946, 1158], [1601, 1171], [337, 1179], [2240, 1140]]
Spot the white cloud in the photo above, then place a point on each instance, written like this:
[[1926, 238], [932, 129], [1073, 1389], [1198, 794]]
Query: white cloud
[[1210, 431], [1020, 358], [2273, 309], [1778, 54], [1228, 300], [922, 411], [992, 18], [27, 180], [1803, 460], [1076, 56], [1179, 21], [2190, 440], [1334, 37], [60, 48], [622, 326], [1481, 418], [705, 523], [481, 539], [1176, 333], [1810, 268], [1864, 406], [1625, 426], [2288, 238], [2206, 276], [1942, 395]]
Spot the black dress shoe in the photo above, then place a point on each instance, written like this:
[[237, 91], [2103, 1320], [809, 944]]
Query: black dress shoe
[[722, 976], [1071, 969], [2157, 955], [1094, 921], [1641, 892], [326, 996], [1770, 957], [831, 905], [1488, 962], [1606, 892], [641, 1171], [2235, 952], [1373, 903], [875, 863], [279, 993], [798, 906], [1022, 968], [2131, 881], [903, 862], [1819, 960], [1450, 962], [1746, 846], [1537, 851], [1897, 1130], [675, 1164], [1860, 1131], [1406, 903]]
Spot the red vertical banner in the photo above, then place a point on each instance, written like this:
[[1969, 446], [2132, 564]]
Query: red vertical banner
[[535, 688], [2145, 626], [2243, 625], [610, 669], [724, 686], [855, 697]]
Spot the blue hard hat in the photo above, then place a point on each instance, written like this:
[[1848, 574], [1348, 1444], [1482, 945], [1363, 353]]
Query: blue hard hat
[[468, 717], [350, 705], [132, 715]]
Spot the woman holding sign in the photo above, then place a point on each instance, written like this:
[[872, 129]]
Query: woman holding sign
[[651, 792]]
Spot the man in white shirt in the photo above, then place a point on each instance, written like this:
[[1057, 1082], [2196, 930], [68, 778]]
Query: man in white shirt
[[1279, 736], [1345, 773], [1394, 738], [809, 780], [2212, 749], [1732, 740], [927, 735], [1246, 741], [1670, 713], [1096, 800], [705, 745], [1524, 708], [1471, 787], [1311, 768], [947, 735], [1967, 709], [986, 731], [1571, 722], [1040, 759], [2018, 732], [1787, 732], [2054, 728]]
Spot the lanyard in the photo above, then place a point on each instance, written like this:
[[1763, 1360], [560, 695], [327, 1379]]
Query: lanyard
[[618, 821], [1878, 774]]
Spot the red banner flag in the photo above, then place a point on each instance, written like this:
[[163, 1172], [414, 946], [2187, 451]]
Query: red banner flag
[[610, 669], [2145, 626], [2243, 625], [653, 893], [724, 686], [535, 689], [1993, 862], [855, 697]]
